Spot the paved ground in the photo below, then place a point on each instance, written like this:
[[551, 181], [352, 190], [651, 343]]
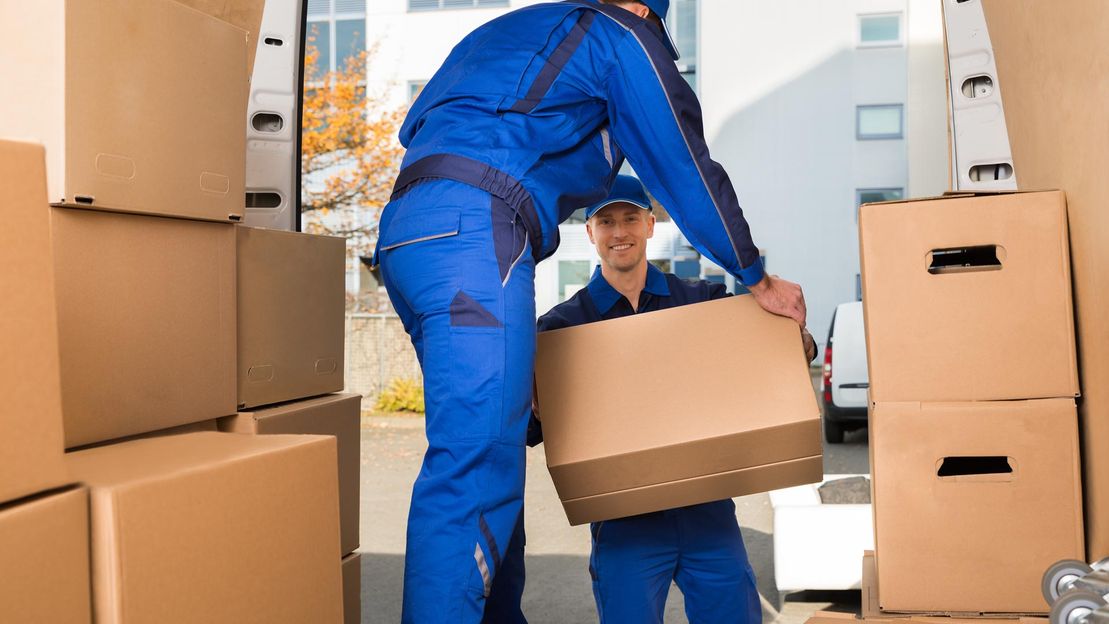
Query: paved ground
[[558, 589]]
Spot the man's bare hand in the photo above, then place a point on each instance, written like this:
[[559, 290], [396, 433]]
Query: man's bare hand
[[810, 345], [780, 297]]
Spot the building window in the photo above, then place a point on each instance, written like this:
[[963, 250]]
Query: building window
[[880, 121], [682, 24], [435, 5], [573, 275], [880, 30], [338, 30], [871, 195], [414, 89], [858, 287]]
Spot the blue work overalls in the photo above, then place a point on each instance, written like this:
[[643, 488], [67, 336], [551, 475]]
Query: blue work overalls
[[634, 560], [528, 119]]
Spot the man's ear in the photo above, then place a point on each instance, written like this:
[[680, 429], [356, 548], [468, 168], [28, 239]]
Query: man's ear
[[638, 8], [650, 225], [589, 231]]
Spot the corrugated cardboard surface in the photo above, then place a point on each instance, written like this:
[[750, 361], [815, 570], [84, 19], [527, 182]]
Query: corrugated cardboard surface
[[977, 335], [142, 103], [702, 489], [44, 559], [337, 415], [204, 425], [987, 538], [1055, 79], [31, 413], [674, 395], [245, 14], [291, 315], [146, 321], [352, 588], [214, 527]]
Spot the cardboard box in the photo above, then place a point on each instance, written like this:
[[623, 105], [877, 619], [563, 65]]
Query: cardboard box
[[44, 558], [214, 527], [968, 298], [699, 403], [292, 304], [204, 425], [146, 322], [990, 489], [336, 415], [31, 414], [352, 588], [1055, 80], [244, 14], [135, 115]]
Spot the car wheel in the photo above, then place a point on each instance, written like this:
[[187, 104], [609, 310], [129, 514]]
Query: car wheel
[[833, 432]]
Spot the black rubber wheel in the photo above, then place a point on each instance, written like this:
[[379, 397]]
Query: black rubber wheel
[[1054, 577], [1074, 603], [833, 432]]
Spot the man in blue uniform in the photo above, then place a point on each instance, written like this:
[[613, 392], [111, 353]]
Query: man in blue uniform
[[529, 118], [634, 560]]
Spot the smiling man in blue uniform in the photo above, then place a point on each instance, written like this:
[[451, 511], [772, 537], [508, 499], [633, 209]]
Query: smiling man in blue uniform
[[634, 560], [529, 118]]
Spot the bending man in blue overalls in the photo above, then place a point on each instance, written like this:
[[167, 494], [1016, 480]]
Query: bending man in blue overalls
[[634, 560], [529, 118]]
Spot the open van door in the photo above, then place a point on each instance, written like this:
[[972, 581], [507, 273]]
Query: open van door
[[274, 118]]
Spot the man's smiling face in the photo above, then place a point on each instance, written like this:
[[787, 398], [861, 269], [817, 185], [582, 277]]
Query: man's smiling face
[[620, 231]]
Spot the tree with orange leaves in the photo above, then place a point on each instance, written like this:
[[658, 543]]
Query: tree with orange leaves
[[350, 153]]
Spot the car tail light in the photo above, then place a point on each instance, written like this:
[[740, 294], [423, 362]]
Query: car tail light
[[826, 381]]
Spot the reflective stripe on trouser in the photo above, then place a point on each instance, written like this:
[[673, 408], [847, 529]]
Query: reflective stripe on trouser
[[472, 322], [699, 548]]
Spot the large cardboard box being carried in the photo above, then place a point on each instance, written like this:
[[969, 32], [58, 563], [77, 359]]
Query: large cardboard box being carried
[[1051, 85], [973, 501], [676, 407], [968, 298], [141, 103], [146, 322], [291, 299], [44, 558], [31, 412], [336, 415], [214, 527]]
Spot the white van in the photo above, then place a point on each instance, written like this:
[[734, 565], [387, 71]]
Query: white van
[[846, 380]]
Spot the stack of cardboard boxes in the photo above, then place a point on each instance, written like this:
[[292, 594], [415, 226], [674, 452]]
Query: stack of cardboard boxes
[[139, 318], [974, 429]]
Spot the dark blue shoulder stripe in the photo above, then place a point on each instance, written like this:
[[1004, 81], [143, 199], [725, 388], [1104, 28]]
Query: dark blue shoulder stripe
[[555, 63]]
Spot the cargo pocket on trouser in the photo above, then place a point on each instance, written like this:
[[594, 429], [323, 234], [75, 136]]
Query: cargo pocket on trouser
[[509, 237]]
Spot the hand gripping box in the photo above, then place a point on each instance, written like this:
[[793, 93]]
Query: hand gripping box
[[338, 415], [676, 407], [214, 527], [973, 501], [968, 298], [141, 104], [291, 315], [31, 414]]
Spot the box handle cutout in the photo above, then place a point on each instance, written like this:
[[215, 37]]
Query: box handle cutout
[[267, 122], [978, 87], [981, 468], [265, 199], [991, 172], [84, 199], [965, 259], [274, 41]]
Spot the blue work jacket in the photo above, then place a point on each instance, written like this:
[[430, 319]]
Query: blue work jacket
[[551, 98]]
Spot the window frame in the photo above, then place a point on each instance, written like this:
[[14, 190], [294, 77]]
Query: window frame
[[885, 43], [859, 136]]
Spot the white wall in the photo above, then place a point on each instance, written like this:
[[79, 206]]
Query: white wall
[[928, 161], [779, 84]]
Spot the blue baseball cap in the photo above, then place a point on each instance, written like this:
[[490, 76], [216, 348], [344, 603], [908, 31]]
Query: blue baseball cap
[[661, 8], [625, 190]]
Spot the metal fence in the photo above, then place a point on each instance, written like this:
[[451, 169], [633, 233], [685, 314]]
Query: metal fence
[[377, 352]]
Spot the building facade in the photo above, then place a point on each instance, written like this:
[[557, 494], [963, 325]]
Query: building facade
[[812, 107]]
